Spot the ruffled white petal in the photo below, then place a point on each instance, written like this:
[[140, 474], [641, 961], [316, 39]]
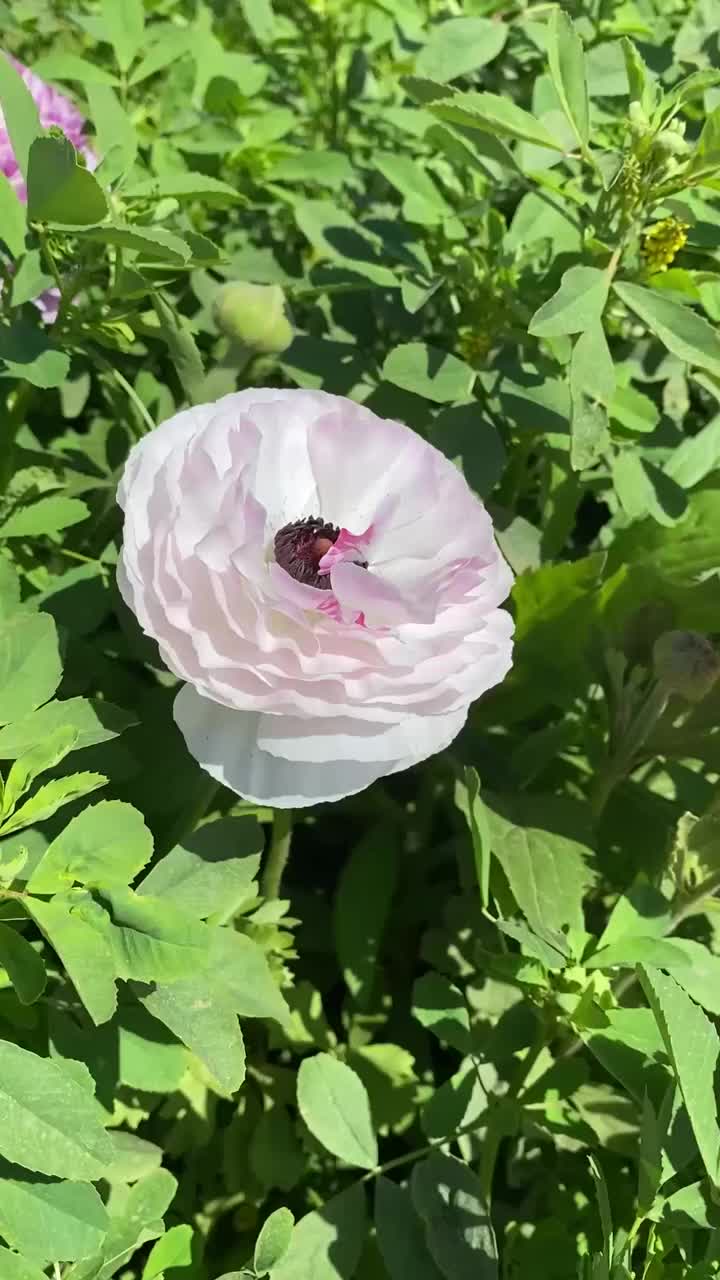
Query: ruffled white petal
[[344, 684]]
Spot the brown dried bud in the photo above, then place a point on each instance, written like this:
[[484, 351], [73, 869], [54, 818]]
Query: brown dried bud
[[686, 663]]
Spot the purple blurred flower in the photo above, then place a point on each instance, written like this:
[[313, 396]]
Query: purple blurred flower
[[54, 109]]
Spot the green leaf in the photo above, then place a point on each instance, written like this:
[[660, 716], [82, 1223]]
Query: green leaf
[[212, 871], [428, 372], [440, 1007], [153, 244], [547, 873], [29, 354], [183, 186], [566, 59], [693, 1047], [326, 1244], [175, 42], [115, 134], [74, 1219], [400, 1234], [477, 819], [423, 201], [678, 554], [700, 976], [48, 1122], [9, 590], [493, 114], [239, 966], [153, 940], [691, 86], [592, 371], [30, 279], [260, 19], [136, 1220], [199, 1012], [50, 797], [13, 223], [650, 1159], [107, 844], [633, 410], [448, 1197], [84, 951], [643, 489], [632, 950], [273, 1241], [695, 457], [147, 1058], [589, 433], [459, 46], [174, 1249], [30, 667], [640, 81], [275, 1155], [686, 334], [181, 346], [68, 66], [362, 908], [59, 188], [548, 952], [94, 721], [603, 1200], [46, 515], [134, 1157], [13, 1267], [124, 22], [705, 159], [20, 112], [334, 1104], [577, 304], [24, 966], [46, 755]]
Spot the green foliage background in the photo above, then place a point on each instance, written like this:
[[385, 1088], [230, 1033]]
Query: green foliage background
[[473, 1033]]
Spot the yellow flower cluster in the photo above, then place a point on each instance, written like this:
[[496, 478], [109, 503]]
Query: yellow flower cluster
[[661, 243]]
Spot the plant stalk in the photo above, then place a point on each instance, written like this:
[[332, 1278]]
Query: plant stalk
[[277, 855]]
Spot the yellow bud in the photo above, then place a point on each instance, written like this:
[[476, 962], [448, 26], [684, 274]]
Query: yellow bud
[[662, 242], [254, 315]]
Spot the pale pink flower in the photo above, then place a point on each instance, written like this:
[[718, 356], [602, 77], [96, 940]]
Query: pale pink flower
[[323, 581], [53, 109]]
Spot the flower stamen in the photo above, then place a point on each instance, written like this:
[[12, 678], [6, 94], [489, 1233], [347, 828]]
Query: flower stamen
[[301, 545]]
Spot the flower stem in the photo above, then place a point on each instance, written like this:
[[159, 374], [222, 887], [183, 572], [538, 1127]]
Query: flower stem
[[277, 854], [18, 404], [618, 766]]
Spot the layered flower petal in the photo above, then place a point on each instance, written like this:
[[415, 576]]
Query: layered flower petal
[[322, 581]]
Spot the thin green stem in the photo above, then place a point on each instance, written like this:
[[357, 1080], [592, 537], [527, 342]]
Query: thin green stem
[[129, 390], [17, 409], [277, 854], [418, 1152], [618, 766]]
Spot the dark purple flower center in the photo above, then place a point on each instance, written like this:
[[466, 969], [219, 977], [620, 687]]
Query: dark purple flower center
[[300, 546]]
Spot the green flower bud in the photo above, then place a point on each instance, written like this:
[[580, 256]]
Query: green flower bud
[[670, 143], [254, 315], [686, 663], [639, 122]]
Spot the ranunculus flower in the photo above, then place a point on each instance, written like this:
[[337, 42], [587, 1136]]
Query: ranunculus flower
[[323, 581], [54, 109]]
